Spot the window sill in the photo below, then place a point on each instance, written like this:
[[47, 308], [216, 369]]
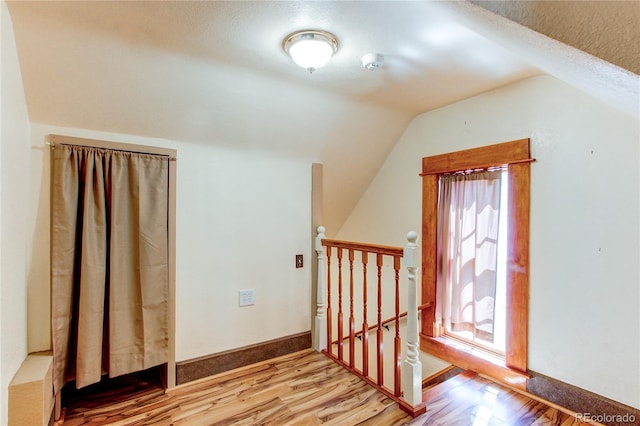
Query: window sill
[[495, 368]]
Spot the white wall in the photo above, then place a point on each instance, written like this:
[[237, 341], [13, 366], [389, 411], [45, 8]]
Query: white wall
[[14, 180], [241, 218], [585, 234]]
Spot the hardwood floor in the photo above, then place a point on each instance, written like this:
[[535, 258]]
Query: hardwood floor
[[469, 399], [305, 388]]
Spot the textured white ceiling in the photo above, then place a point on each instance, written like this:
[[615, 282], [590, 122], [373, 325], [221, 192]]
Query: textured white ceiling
[[214, 72], [607, 29], [430, 60]]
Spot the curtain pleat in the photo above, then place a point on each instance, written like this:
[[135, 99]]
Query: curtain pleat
[[92, 272], [468, 235], [109, 258]]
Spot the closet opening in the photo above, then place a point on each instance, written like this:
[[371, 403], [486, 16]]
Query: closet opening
[[112, 266]]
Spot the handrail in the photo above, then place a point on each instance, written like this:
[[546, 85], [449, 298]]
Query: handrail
[[387, 321], [370, 248], [392, 319]]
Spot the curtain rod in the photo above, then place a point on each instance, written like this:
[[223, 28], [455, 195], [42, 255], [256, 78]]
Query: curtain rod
[[478, 170], [170, 158], [442, 172]]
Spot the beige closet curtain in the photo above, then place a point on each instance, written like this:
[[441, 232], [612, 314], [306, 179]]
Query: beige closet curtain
[[109, 263], [468, 210]]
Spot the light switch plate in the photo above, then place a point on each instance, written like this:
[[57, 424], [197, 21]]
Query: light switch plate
[[247, 297]]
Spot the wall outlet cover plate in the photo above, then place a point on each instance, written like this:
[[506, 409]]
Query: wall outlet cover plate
[[247, 297]]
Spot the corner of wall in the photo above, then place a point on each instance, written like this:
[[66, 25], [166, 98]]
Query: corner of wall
[[14, 179]]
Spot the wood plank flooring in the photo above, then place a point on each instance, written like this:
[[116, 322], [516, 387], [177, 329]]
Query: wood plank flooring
[[468, 399], [305, 388]]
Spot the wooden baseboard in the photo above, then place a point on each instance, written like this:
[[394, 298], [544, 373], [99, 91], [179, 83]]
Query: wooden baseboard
[[441, 376], [584, 403], [187, 371], [581, 401]]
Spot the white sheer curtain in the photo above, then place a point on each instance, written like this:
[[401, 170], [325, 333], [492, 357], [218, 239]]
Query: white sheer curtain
[[468, 213]]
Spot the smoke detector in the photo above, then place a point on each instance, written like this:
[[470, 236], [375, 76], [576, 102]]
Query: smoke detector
[[372, 61]]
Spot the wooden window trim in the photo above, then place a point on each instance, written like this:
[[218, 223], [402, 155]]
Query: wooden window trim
[[441, 348], [517, 156]]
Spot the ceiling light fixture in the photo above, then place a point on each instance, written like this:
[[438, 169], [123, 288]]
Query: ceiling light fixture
[[310, 49]]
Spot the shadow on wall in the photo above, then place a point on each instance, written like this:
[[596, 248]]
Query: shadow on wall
[[38, 288]]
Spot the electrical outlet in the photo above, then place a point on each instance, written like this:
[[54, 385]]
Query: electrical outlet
[[247, 297], [299, 262]]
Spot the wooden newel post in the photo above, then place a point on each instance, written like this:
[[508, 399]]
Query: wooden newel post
[[320, 336], [412, 367]]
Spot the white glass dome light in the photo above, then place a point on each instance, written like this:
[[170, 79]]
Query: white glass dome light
[[310, 49]]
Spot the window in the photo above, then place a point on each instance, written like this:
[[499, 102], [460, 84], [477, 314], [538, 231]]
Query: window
[[468, 339], [472, 214]]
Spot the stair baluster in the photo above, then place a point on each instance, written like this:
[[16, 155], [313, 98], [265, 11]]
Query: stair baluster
[[379, 333], [320, 336], [340, 313], [396, 340], [352, 320], [365, 325], [406, 373], [412, 367]]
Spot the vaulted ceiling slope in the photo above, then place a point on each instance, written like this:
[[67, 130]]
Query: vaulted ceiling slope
[[214, 72], [608, 29]]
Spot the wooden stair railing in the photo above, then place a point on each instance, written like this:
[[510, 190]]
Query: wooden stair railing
[[407, 381]]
